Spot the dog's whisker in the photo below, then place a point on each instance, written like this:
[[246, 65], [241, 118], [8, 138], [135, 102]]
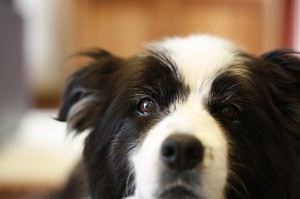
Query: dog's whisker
[[129, 186], [236, 177]]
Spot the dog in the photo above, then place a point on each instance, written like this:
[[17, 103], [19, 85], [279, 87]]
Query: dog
[[192, 117]]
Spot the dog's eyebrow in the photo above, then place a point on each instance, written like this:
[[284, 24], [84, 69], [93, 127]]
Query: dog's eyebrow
[[164, 57]]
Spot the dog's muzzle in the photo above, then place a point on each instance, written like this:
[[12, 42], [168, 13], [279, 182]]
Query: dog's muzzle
[[180, 155]]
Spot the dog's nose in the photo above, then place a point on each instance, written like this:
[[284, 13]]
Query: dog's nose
[[181, 152]]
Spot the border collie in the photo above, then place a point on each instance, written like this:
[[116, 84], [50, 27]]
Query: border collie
[[190, 118]]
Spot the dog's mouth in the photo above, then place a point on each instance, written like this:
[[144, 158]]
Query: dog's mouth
[[179, 185], [179, 192]]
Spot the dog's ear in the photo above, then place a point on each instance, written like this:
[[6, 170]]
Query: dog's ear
[[289, 61], [86, 90]]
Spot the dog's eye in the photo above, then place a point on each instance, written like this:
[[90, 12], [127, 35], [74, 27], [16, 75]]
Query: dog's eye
[[147, 106], [230, 112]]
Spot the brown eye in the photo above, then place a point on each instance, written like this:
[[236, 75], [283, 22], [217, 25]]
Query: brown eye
[[147, 106], [229, 112]]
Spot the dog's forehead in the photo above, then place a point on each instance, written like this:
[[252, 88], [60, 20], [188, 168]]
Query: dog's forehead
[[198, 59]]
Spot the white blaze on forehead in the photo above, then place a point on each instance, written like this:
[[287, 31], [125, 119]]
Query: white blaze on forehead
[[198, 58]]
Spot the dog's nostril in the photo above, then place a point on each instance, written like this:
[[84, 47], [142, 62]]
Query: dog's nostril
[[181, 152], [168, 151]]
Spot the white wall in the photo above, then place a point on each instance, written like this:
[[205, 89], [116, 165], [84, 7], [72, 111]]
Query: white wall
[[45, 25]]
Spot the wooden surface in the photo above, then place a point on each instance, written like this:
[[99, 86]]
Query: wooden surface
[[21, 195], [124, 26]]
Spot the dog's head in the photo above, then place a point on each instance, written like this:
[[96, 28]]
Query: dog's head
[[192, 117]]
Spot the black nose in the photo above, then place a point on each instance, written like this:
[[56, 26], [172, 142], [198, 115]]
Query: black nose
[[181, 152]]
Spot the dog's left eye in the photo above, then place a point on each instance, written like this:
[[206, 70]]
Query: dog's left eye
[[230, 112], [147, 106]]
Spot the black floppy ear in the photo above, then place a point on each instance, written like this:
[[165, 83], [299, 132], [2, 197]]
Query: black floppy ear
[[289, 60], [86, 90]]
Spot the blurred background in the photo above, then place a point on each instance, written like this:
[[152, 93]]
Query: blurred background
[[37, 36]]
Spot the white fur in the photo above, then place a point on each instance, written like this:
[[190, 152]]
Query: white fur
[[198, 60]]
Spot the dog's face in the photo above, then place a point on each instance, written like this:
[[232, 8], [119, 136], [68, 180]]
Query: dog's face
[[193, 118]]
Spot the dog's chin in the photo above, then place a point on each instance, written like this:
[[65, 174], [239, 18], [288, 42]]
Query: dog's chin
[[179, 192]]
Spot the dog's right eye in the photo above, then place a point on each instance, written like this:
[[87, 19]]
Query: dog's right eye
[[147, 106]]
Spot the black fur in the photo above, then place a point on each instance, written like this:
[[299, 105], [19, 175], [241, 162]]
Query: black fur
[[264, 158]]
